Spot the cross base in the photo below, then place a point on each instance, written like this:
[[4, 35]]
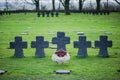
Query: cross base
[[39, 56], [18, 55], [103, 56], [82, 56], [62, 72]]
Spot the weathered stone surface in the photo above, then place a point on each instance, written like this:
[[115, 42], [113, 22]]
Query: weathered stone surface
[[62, 71], [39, 44], [80, 33], [2, 71], [82, 44], [103, 44], [61, 40], [18, 45]]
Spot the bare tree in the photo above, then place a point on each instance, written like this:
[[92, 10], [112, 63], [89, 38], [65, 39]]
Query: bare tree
[[53, 5], [65, 4], [34, 2]]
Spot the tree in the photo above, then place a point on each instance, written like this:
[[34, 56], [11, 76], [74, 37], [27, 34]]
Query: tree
[[36, 2], [117, 2], [6, 5], [53, 5], [81, 4], [65, 4], [98, 5]]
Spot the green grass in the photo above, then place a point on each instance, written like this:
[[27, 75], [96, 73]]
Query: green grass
[[31, 68]]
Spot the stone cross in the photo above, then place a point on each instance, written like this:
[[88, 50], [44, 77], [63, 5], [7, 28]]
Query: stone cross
[[18, 45], [61, 40], [38, 14], [82, 44], [47, 13], [103, 44], [57, 14], [52, 14], [43, 14], [39, 44]]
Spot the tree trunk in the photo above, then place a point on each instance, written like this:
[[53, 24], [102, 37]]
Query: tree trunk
[[98, 5], [37, 6], [67, 11], [80, 5], [53, 5], [107, 5], [6, 5]]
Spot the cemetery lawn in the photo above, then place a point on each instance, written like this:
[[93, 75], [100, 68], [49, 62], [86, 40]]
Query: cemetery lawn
[[30, 68]]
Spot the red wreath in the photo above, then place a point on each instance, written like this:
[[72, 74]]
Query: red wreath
[[60, 53]]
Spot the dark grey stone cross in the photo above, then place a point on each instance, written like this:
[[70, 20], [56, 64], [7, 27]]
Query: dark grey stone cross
[[18, 45], [103, 44], [82, 44], [39, 44], [61, 40]]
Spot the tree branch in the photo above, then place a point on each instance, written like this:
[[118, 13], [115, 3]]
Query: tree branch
[[28, 2], [83, 0], [117, 2], [63, 2]]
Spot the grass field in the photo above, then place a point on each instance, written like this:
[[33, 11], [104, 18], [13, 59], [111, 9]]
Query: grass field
[[31, 68]]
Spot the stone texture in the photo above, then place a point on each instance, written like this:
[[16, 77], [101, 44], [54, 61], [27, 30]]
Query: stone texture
[[82, 45], [103, 44], [62, 71], [18, 45], [80, 33], [39, 44], [2, 71], [61, 40]]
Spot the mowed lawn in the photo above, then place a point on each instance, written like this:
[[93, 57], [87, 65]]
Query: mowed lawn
[[30, 68]]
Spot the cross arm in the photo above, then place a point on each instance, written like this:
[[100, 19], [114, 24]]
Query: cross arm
[[54, 40], [12, 45], [109, 44], [46, 44], [76, 45], [97, 44], [88, 43], [24, 44], [33, 44], [67, 40]]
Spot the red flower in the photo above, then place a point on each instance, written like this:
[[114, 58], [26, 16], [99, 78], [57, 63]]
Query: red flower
[[60, 53]]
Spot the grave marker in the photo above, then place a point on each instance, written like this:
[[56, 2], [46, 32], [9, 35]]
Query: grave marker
[[57, 14], [63, 72], [108, 12], [2, 71], [52, 14], [39, 44], [80, 33], [47, 13], [101, 12], [82, 44], [61, 40], [43, 14], [18, 45], [38, 14], [103, 44]]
